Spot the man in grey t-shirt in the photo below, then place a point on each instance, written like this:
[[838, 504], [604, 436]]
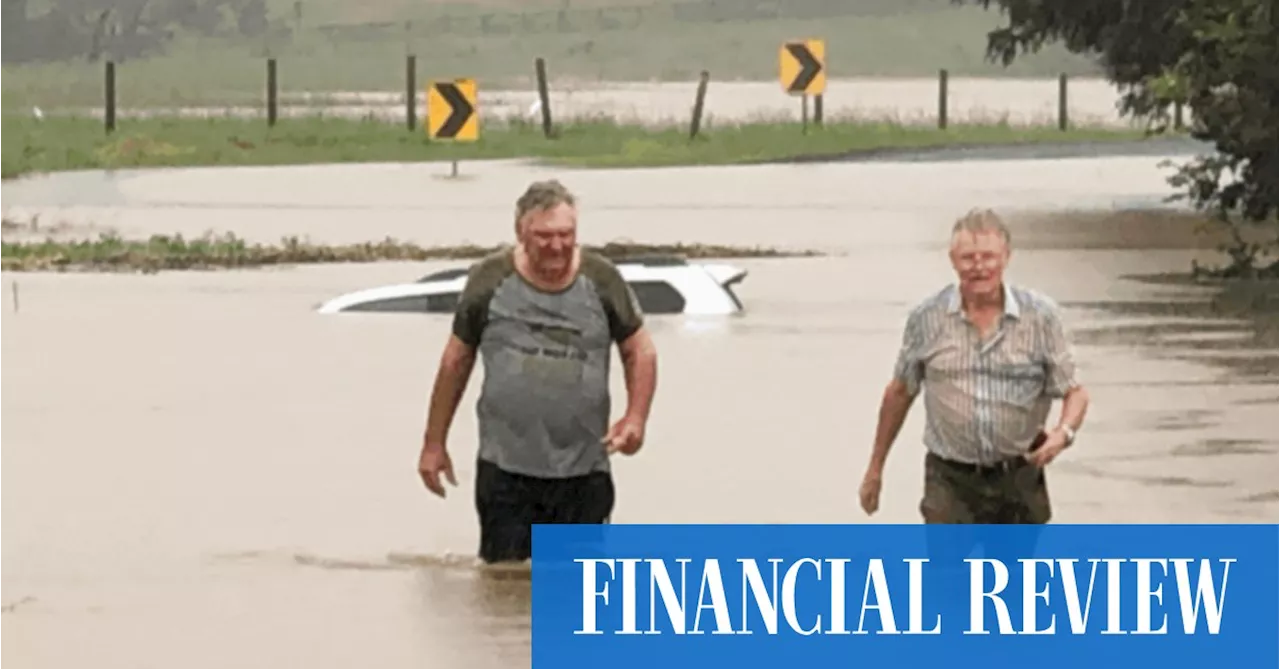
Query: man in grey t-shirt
[[544, 317]]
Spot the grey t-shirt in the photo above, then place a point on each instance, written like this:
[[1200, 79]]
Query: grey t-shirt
[[544, 406]]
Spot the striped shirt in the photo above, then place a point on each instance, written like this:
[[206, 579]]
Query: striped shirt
[[985, 400]]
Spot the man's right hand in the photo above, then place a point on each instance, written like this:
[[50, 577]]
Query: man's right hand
[[869, 493], [433, 462]]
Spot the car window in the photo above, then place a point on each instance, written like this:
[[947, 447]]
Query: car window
[[445, 275], [442, 303], [657, 297], [654, 296]]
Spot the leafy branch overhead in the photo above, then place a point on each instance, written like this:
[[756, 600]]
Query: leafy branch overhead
[[1216, 57]]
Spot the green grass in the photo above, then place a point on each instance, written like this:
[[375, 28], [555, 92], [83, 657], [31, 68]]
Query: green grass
[[897, 38], [63, 143]]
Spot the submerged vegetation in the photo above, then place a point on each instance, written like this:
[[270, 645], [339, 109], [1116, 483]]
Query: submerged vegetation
[[111, 253]]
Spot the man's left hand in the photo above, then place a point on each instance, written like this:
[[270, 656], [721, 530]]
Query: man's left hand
[[1054, 444], [626, 436]]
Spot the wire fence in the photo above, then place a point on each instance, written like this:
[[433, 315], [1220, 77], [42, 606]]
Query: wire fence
[[939, 101], [636, 62]]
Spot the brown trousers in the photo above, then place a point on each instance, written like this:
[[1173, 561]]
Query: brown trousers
[[1014, 492]]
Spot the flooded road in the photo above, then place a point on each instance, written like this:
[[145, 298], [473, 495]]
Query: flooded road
[[203, 472]]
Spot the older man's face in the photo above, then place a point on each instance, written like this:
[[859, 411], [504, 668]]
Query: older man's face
[[979, 259], [549, 237]]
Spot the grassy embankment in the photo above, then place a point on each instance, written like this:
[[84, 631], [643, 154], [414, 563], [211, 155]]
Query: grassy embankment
[[56, 144]]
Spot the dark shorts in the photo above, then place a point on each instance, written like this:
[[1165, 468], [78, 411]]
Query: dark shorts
[[510, 504], [955, 492]]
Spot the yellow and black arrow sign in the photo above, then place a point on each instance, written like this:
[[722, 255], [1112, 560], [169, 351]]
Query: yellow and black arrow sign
[[452, 111], [802, 67]]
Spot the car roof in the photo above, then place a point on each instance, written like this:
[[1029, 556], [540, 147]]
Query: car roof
[[644, 260]]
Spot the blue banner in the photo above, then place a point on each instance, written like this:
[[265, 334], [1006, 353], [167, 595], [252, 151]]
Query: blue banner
[[665, 596]]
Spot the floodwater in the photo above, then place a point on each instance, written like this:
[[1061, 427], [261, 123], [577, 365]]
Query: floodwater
[[1090, 101], [203, 472]]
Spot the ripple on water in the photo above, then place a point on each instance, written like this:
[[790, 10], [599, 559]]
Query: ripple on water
[[390, 562], [1160, 480]]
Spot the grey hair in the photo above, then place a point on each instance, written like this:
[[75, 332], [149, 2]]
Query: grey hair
[[543, 195], [980, 220]]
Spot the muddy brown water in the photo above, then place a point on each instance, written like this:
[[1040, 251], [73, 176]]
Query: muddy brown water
[[203, 472]]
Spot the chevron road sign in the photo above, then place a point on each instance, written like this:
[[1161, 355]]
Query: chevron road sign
[[802, 67], [452, 110]]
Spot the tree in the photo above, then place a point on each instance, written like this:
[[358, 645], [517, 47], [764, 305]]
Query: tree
[[1218, 57], [119, 29]]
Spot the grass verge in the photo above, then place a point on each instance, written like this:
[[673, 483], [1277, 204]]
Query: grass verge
[[110, 253], [64, 143]]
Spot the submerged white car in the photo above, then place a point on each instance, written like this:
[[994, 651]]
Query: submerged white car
[[662, 285]]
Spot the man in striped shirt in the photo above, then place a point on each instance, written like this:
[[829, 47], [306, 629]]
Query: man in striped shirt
[[990, 358]]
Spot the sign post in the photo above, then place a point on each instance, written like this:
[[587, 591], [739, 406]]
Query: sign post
[[453, 112], [802, 71]]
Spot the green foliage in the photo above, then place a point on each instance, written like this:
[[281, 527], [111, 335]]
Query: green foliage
[[1216, 57]]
